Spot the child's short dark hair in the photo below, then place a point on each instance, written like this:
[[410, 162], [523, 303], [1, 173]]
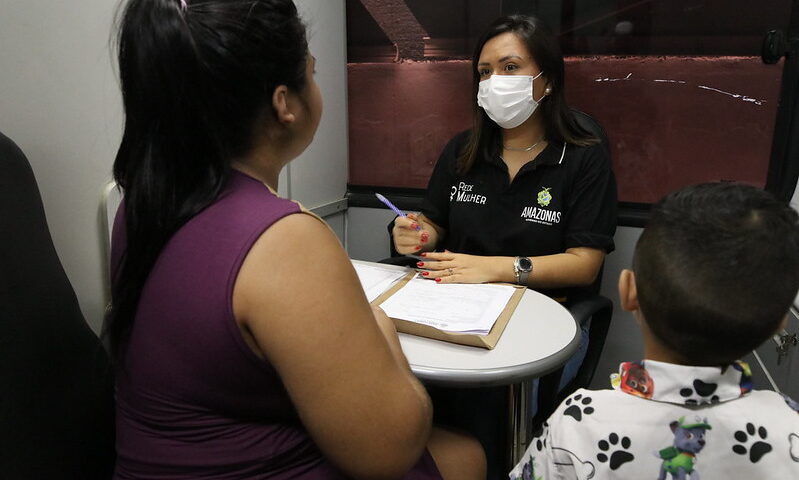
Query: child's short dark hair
[[717, 269]]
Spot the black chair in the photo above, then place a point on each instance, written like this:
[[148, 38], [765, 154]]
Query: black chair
[[56, 384]]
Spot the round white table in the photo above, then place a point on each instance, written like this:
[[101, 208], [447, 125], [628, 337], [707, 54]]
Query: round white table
[[539, 338]]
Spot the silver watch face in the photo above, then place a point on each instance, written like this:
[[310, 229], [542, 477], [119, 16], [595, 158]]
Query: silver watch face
[[525, 264]]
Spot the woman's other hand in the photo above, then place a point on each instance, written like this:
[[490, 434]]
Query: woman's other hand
[[411, 234], [448, 267]]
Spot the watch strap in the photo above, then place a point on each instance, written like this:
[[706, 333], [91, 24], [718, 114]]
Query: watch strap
[[521, 274]]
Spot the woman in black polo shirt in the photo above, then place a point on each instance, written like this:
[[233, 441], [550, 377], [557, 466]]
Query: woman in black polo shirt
[[526, 195]]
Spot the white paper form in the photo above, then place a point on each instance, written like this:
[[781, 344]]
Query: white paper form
[[376, 280], [455, 307]]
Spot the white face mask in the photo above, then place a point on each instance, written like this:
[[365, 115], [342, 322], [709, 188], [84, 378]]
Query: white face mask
[[508, 99]]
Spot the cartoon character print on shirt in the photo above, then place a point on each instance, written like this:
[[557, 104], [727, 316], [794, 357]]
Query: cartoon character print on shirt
[[680, 457], [635, 380], [538, 442], [746, 376], [528, 471]]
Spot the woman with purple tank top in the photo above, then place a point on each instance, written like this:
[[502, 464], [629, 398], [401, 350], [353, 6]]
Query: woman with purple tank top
[[244, 345]]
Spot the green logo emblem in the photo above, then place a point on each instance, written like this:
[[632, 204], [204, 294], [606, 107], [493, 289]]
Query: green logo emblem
[[544, 197]]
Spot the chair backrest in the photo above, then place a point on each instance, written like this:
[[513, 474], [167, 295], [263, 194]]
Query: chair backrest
[[56, 384], [588, 123]]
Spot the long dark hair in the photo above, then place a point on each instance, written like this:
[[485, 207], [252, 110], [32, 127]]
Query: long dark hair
[[197, 81], [559, 123]]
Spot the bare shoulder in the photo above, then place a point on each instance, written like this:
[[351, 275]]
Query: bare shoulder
[[289, 259]]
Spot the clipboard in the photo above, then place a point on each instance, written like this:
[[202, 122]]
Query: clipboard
[[488, 341]]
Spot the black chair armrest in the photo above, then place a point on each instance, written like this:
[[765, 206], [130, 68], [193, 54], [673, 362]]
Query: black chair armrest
[[583, 310]]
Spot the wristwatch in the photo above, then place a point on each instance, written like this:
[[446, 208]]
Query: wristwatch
[[522, 267]]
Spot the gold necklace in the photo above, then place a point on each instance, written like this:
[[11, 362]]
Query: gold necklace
[[523, 149]]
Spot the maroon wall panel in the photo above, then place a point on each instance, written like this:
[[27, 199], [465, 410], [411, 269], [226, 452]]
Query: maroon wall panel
[[671, 120], [401, 116]]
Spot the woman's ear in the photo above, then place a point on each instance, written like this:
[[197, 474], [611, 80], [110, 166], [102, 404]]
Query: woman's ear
[[280, 104], [628, 292]]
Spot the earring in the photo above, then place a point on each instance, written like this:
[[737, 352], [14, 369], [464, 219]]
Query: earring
[[548, 90]]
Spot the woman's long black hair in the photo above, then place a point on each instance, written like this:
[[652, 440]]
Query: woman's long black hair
[[559, 123], [197, 80]]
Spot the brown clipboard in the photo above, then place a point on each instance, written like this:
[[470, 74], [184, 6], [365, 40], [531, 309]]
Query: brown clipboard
[[488, 341]]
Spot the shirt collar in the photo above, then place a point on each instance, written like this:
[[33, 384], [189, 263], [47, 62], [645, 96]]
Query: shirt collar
[[682, 384], [553, 154]]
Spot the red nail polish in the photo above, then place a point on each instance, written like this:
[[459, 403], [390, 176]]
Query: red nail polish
[[419, 248], [422, 254], [438, 280], [424, 274], [420, 264]]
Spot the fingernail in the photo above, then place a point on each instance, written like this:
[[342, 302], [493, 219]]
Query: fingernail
[[415, 226], [419, 248], [423, 254], [425, 237], [424, 274], [420, 264], [438, 280]]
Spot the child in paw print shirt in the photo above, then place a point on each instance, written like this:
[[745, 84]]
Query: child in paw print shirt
[[665, 421]]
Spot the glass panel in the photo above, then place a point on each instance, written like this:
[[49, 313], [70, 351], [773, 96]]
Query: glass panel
[[678, 84]]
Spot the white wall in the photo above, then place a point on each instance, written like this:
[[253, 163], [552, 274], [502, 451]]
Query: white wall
[[319, 175], [59, 101]]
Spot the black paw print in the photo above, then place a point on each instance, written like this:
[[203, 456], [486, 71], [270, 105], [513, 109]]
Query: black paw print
[[578, 406], [704, 390], [758, 449], [617, 457], [540, 437]]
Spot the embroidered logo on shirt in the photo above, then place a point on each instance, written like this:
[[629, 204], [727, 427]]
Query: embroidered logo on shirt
[[464, 192], [544, 197], [539, 214]]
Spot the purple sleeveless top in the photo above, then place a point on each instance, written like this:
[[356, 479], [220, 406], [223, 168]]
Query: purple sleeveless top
[[194, 401]]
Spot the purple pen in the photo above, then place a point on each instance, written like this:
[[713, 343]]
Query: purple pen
[[394, 208]]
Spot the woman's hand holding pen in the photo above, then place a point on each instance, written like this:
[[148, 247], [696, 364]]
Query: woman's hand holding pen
[[448, 267], [412, 235]]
